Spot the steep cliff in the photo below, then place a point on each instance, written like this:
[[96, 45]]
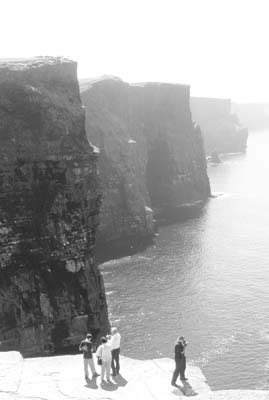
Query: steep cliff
[[221, 129], [152, 155], [51, 291]]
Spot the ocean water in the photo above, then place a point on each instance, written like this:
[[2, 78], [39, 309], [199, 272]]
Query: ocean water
[[207, 279]]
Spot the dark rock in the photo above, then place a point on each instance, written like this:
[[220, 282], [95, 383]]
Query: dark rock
[[221, 129], [51, 291], [152, 155]]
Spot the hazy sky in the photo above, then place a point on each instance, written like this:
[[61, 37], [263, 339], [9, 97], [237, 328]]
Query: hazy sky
[[219, 47]]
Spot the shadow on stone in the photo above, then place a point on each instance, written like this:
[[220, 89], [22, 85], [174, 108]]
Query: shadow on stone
[[91, 384], [110, 386], [186, 389], [120, 380]]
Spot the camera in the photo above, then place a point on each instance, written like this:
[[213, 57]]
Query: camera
[[183, 340]]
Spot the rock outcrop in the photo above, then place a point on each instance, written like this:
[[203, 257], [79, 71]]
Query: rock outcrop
[[51, 291], [254, 115], [151, 154], [221, 129]]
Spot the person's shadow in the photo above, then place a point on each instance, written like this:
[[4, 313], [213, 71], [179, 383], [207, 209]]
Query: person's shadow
[[186, 389], [120, 380], [110, 386], [91, 384]]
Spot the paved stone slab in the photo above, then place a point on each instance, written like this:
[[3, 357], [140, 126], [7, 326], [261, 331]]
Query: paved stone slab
[[138, 378], [62, 378], [11, 366]]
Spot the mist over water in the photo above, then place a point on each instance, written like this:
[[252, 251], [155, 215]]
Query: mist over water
[[207, 279]]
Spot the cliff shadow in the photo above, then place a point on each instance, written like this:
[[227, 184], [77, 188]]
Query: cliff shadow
[[129, 246], [183, 213], [121, 248]]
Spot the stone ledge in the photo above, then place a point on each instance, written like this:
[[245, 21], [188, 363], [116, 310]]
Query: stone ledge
[[62, 377]]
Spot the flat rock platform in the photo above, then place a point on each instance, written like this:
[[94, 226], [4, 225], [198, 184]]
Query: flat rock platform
[[62, 377]]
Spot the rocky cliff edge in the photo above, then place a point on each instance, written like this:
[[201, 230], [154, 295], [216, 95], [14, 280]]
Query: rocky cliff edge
[[51, 291]]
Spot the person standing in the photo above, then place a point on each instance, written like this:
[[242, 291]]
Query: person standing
[[87, 348], [115, 345], [180, 360], [104, 353]]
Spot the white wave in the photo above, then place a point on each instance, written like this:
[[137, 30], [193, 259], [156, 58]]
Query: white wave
[[110, 292], [217, 195], [112, 263]]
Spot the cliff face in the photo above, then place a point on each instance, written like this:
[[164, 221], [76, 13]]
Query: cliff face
[[51, 292], [221, 129], [151, 154]]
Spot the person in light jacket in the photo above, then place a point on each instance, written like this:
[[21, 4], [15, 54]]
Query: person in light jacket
[[104, 352], [115, 345]]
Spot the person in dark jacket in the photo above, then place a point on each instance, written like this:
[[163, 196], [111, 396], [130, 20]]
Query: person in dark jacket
[[180, 360], [87, 348]]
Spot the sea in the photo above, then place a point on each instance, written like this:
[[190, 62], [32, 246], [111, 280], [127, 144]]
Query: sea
[[206, 278]]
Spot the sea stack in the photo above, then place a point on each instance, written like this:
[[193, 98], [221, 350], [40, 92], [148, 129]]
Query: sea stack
[[51, 291], [221, 128], [152, 160]]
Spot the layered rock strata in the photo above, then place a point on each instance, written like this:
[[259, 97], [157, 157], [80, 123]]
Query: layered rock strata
[[51, 291], [151, 154], [221, 128]]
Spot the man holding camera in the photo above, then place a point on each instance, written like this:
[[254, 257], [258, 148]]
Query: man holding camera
[[87, 348], [180, 360]]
